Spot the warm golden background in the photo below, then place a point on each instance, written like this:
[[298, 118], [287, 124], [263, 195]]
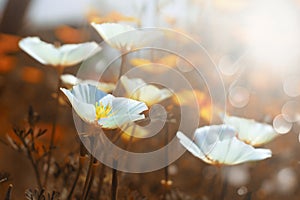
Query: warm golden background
[[255, 44]]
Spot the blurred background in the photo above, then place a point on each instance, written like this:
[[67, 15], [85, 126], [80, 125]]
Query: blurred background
[[255, 45]]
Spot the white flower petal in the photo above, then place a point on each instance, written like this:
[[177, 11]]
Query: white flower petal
[[207, 137], [117, 121], [220, 146], [128, 106], [84, 110], [137, 89], [72, 54], [134, 130], [69, 79], [131, 85], [233, 151], [83, 98], [190, 145], [251, 131], [72, 80], [112, 34], [43, 52], [107, 100], [105, 87], [66, 55], [123, 111]]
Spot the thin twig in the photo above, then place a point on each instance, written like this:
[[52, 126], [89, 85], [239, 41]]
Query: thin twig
[[76, 178], [59, 72], [33, 163], [3, 179], [8, 193]]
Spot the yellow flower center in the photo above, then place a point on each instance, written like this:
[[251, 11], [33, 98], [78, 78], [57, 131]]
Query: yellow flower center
[[102, 111]]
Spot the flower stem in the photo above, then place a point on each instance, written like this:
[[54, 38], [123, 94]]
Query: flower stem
[[114, 181], [88, 178], [59, 73], [166, 169], [101, 177], [94, 167], [123, 65], [166, 153], [213, 185], [224, 185]]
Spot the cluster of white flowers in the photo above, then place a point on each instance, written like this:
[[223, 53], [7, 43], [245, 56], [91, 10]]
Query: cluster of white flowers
[[226, 144], [89, 98]]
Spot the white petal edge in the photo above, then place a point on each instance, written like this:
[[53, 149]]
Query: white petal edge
[[41, 51], [85, 111], [251, 131], [189, 145], [69, 79], [110, 30], [66, 55]]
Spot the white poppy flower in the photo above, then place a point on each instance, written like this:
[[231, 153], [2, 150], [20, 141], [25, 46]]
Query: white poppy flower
[[137, 89], [114, 35], [218, 145], [69, 79], [63, 56], [250, 131], [96, 107]]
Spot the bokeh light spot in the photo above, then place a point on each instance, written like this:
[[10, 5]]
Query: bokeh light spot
[[290, 111], [280, 125], [239, 96]]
